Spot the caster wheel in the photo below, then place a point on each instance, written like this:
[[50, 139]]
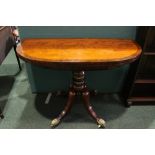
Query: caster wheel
[[101, 123], [55, 122]]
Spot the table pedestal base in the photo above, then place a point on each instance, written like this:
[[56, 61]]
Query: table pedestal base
[[78, 87]]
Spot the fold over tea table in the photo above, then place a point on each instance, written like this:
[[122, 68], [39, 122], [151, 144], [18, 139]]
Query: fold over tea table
[[79, 55]]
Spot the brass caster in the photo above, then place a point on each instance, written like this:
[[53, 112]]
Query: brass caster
[[101, 123], [55, 122]]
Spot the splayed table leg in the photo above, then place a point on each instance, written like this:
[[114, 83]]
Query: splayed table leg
[[67, 108]]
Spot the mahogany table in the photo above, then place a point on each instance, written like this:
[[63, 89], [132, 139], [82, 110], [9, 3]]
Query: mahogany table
[[79, 55]]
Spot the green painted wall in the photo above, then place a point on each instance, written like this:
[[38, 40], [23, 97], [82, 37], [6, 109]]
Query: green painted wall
[[45, 80]]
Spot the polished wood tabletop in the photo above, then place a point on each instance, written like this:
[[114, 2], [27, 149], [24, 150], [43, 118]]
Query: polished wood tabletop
[[74, 53]]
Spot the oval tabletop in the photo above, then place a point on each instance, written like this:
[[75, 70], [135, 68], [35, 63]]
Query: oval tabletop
[[79, 54]]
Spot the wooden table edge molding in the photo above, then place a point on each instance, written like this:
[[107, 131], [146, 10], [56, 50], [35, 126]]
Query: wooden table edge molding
[[79, 55], [75, 64]]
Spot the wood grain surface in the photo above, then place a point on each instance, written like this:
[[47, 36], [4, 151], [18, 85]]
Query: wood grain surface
[[78, 51]]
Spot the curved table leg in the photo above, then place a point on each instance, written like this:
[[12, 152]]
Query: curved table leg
[[100, 121], [57, 120]]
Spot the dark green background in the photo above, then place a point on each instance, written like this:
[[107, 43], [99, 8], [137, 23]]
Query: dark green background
[[45, 80]]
